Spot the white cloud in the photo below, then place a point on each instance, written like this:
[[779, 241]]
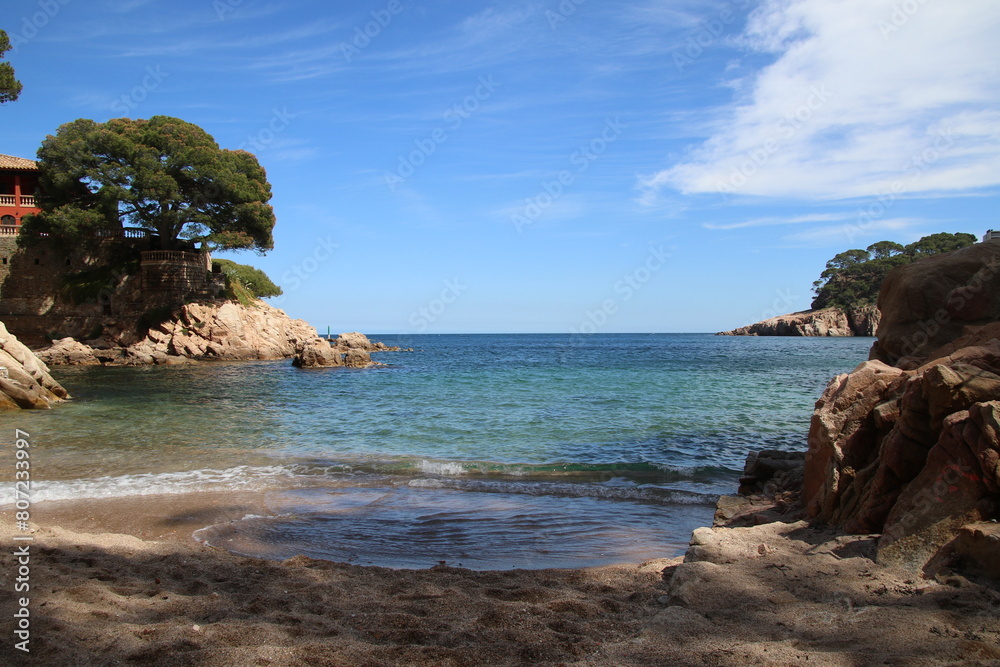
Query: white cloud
[[862, 97], [768, 222]]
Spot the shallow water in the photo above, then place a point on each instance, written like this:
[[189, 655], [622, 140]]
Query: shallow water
[[493, 451]]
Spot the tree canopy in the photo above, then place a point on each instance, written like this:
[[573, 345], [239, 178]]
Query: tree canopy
[[10, 87], [252, 278], [163, 174], [853, 278]]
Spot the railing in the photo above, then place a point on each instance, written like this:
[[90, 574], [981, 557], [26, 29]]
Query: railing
[[172, 256], [9, 230], [11, 200]]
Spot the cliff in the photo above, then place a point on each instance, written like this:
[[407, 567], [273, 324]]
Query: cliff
[[25, 382], [908, 444], [861, 321]]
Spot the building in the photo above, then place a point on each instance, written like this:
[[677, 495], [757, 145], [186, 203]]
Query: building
[[18, 185], [990, 235]]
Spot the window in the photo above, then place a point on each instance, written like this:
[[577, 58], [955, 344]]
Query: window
[[8, 220]]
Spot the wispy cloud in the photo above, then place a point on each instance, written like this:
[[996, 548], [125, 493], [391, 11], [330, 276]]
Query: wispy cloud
[[861, 96], [768, 222]]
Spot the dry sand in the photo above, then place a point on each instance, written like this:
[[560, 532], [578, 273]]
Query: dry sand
[[121, 582]]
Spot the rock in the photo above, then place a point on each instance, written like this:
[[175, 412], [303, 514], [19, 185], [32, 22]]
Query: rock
[[359, 341], [825, 322], [771, 471], [911, 451], [25, 382], [318, 354], [68, 352], [202, 330], [959, 484], [928, 304], [355, 358]]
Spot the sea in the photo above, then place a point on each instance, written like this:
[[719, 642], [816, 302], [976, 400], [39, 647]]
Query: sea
[[478, 451]]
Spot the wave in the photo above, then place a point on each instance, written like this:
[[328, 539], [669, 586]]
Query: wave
[[572, 490], [249, 478], [613, 481]]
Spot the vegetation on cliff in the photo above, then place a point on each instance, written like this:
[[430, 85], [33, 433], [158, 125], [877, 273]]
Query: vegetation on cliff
[[243, 280], [163, 175], [852, 278]]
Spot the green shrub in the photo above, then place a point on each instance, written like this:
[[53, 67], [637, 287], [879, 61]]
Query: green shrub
[[254, 282]]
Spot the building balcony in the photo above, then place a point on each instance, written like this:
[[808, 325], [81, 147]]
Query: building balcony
[[27, 201]]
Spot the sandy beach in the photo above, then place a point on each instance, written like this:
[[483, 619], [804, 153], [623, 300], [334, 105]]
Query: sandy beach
[[123, 582]]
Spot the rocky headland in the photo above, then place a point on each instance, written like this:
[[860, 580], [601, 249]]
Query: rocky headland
[[861, 321], [213, 331], [25, 383]]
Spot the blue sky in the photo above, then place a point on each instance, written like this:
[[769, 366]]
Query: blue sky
[[645, 166]]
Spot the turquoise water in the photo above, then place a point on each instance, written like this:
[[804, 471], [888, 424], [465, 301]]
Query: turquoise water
[[493, 451]]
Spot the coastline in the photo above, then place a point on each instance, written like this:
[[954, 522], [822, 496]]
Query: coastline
[[123, 580]]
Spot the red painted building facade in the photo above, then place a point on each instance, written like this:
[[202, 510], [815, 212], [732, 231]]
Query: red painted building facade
[[18, 186]]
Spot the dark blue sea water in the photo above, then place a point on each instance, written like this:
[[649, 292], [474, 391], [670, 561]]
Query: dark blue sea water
[[488, 450]]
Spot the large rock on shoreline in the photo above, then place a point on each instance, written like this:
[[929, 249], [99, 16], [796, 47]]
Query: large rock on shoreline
[[25, 382], [912, 450], [223, 331], [928, 304], [826, 322]]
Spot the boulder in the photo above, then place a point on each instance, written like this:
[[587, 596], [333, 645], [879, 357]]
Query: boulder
[[68, 352], [355, 358], [928, 304], [317, 354], [25, 382]]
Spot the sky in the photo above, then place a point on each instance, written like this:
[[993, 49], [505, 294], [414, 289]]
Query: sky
[[446, 166]]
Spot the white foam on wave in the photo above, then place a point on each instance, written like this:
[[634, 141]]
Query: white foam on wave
[[147, 484], [441, 468]]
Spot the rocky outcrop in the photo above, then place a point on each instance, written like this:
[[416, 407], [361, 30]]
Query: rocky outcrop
[[826, 322], [25, 382], [929, 303], [349, 349], [196, 331], [912, 451]]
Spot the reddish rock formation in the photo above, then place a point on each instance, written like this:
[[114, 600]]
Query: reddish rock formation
[[929, 303], [912, 451]]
